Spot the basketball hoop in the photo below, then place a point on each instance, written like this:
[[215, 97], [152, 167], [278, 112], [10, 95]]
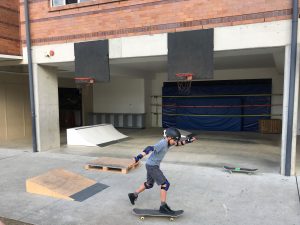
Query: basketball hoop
[[84, 82], [184, 83]]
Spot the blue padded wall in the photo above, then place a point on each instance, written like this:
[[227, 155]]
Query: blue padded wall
[[233, 105]]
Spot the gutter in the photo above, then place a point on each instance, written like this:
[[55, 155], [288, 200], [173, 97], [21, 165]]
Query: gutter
[[30, 70]]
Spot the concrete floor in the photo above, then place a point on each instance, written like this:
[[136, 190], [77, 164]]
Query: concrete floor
[[198, 184], [212, 149]]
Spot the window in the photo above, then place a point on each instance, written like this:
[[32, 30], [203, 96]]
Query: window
[[66, 2]]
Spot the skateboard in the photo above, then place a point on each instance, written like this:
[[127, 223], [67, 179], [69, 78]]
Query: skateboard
[[142, 213], [239, 170]]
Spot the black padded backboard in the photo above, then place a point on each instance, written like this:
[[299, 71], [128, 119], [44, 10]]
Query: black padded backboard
[[191, 52], [92, 60]]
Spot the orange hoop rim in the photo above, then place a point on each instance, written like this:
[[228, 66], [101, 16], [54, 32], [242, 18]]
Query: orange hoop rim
[[188, 76], [89, 80]]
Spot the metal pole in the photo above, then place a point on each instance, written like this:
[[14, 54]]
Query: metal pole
[[30, 70], [290, 118]]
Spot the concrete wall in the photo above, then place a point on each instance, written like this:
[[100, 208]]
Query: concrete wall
[[277, 87], [251, 36], [148, 94], [10, 43], [120, 95], [15, 116], [46, 103]]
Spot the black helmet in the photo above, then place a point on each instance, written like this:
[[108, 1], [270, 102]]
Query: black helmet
[[172, 133]]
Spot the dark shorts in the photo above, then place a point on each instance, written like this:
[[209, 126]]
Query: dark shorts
[[154, 174]]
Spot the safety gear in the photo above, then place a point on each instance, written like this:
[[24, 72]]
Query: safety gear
[[189, 140], [148, 186], [172, 133], [138, 158], [132, 198], [165, 186], [165, 209], [148, 149]]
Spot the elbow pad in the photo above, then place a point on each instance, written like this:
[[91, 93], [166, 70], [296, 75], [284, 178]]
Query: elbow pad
[[148, 149]]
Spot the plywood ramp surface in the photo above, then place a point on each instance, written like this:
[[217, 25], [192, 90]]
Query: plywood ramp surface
[[94, 135], [112, 164], [58, 183]]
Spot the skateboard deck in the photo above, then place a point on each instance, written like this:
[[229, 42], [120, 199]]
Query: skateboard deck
[[239, 170], [155, 213]]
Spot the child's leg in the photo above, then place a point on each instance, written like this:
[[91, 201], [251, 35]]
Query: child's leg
[[163, 191], [164, 208], [163, 195], [147, 185], [140, 189]]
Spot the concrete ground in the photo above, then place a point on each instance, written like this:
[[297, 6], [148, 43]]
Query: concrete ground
[[198, 183]]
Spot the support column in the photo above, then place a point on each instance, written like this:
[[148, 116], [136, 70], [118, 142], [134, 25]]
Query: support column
[[47, 107], [288, 150]]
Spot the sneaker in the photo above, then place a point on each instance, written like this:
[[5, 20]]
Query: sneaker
[[165, 209], [132, 198]]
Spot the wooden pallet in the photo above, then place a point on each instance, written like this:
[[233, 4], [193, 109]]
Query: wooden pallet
[[112, 164]]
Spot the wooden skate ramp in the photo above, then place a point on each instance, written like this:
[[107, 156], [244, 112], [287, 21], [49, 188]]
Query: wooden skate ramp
[[95, 135], [60, 183]]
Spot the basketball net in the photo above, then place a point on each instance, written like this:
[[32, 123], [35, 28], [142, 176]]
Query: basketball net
[[184, 83]]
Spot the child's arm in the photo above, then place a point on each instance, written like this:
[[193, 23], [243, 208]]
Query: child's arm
[[145, 152], [188, 140]]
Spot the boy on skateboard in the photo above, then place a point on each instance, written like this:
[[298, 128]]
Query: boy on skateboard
[[154, 174]]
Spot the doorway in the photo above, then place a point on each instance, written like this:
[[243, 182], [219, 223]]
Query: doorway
[[70, 108]]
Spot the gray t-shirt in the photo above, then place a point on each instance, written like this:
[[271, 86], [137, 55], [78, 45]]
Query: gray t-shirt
[[160, 150]]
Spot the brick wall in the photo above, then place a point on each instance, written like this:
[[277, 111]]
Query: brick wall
[[104, 19], [9, 27]]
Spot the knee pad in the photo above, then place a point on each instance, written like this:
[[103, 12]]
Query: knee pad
[[148, 186], [165, 186]]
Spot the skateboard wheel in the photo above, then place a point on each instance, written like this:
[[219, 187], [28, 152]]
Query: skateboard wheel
[[171, 219], [142, 218]]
